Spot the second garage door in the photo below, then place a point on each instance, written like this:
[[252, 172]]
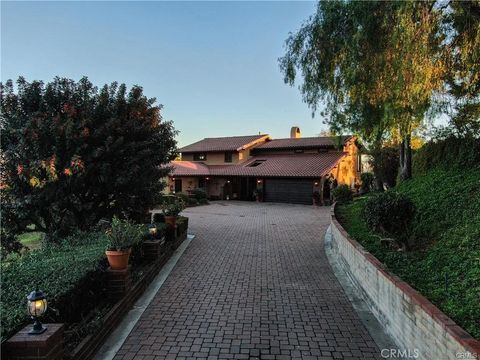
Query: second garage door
[[294, 191]]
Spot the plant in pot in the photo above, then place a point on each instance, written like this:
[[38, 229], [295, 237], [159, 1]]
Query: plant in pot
[[316, 198], [171, 208], [121, 236], [258, 193]]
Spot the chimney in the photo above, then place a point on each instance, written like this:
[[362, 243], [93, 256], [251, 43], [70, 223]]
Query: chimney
[[295, 132]]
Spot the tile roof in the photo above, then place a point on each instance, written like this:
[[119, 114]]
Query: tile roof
[[303, 143], [291, 165], [230, 143]]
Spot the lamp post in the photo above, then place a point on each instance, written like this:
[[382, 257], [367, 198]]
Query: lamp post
[[37, 305], [152, 230]]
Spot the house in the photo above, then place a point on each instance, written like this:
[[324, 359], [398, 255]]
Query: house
[[286, 170]]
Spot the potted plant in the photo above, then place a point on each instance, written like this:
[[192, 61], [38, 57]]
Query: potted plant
[[121, 236], [316, 198], [258, 193], [171, 207]]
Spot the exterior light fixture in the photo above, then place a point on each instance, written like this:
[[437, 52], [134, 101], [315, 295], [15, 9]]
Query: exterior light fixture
[[152, 230], [228, 181], [315, 183], [36, 306], [207, 178], [173, 178]]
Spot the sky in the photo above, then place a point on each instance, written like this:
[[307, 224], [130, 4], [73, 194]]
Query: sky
[[212, 65]]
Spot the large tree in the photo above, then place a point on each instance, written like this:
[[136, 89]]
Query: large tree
[[375, 65], [73, 154]]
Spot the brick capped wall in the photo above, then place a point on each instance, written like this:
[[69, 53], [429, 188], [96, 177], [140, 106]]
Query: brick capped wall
[[412, 321]]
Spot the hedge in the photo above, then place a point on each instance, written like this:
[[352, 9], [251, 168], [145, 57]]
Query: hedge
[[68, 274]]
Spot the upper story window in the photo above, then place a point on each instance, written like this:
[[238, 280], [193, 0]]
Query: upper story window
[[256, 163], [199, 157], [228, 156], [298, 151]]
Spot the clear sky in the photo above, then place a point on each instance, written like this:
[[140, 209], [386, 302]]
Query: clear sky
[[213, 65]]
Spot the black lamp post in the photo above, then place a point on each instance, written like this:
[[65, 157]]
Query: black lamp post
[[152, 229], [37, 305]]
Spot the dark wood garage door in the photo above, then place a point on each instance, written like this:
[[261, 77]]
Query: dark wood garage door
[[294, 191]]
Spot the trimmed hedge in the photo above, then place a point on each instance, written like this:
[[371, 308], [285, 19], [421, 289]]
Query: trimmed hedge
[[64, 273]]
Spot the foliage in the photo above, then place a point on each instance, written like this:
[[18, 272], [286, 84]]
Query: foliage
[[199, 194], [462, 20], [367, 182], [203, 202], [390, 213], [183, 197], [385, 162], [316, 196], [342, 194], [9, 243], [172, 205], [447, 153], [60, 271], [73, 154], [122, 235], [376, 65], [447, 221], [182, 224]]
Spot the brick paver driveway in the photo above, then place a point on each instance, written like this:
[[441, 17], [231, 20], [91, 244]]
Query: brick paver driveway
[[254, 283]]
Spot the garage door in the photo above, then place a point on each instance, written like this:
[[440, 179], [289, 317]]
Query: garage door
[[294, 191]]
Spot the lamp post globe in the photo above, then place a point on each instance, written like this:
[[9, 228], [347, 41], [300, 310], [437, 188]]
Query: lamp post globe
[[36, 306]]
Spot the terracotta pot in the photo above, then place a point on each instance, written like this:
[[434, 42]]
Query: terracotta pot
[[118, 260], [171, 221]]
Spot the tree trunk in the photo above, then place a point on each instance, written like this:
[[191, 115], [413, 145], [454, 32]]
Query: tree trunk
[[406, 159]]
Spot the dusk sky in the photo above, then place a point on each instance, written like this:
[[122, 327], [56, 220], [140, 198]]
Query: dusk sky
[[213, 65]]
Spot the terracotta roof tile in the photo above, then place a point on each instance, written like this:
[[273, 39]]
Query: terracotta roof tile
[[303, 143], [292, 165], [221, 144]]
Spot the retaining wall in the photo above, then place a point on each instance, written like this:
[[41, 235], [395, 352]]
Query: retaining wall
[[419, 328]]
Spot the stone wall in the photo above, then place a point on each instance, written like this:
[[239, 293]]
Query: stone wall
[[419, 328]]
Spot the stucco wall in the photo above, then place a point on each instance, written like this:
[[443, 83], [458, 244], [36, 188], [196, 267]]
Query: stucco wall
[[412, 321], [346, 172]]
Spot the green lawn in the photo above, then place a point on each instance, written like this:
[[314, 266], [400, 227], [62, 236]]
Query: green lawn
[[31, 239], [445, 267]]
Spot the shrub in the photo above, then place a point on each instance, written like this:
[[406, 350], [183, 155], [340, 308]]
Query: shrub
[[367, 182], [182, 224], [69, 274], [172, 205], [385, 163], [445, 153], [342, 194], [199, 194], [183, 197], [390, 213], [123, 234], [203, 202]]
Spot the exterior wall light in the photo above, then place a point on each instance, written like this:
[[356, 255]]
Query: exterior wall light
[[228, 181], [152, 230], [259, 181], [315, 183], [36, 306], [207, 178]]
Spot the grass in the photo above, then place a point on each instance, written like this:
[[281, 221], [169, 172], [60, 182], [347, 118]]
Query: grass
[[31, 239], [445, 265]]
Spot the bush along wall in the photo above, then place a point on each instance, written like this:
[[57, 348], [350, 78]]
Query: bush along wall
[[73, 276]]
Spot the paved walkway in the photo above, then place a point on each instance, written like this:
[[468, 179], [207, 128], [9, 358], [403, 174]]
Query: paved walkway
[[254, 283]]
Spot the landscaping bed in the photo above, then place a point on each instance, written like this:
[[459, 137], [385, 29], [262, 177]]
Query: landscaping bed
[[73, 275], [444, 263]]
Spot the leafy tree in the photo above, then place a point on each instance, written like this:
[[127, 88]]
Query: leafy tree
[[462, 21], [377, 65], [73, 154]]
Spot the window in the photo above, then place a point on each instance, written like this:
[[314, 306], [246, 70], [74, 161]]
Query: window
[[228, 156], [298, 151], [359, 163], [199, 157], [256, 163]]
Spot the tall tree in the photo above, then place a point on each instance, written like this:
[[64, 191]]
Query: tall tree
[[377, 66], [73, 154]]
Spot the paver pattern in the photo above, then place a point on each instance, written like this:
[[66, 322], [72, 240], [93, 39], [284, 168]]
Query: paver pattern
[[255, 283]]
